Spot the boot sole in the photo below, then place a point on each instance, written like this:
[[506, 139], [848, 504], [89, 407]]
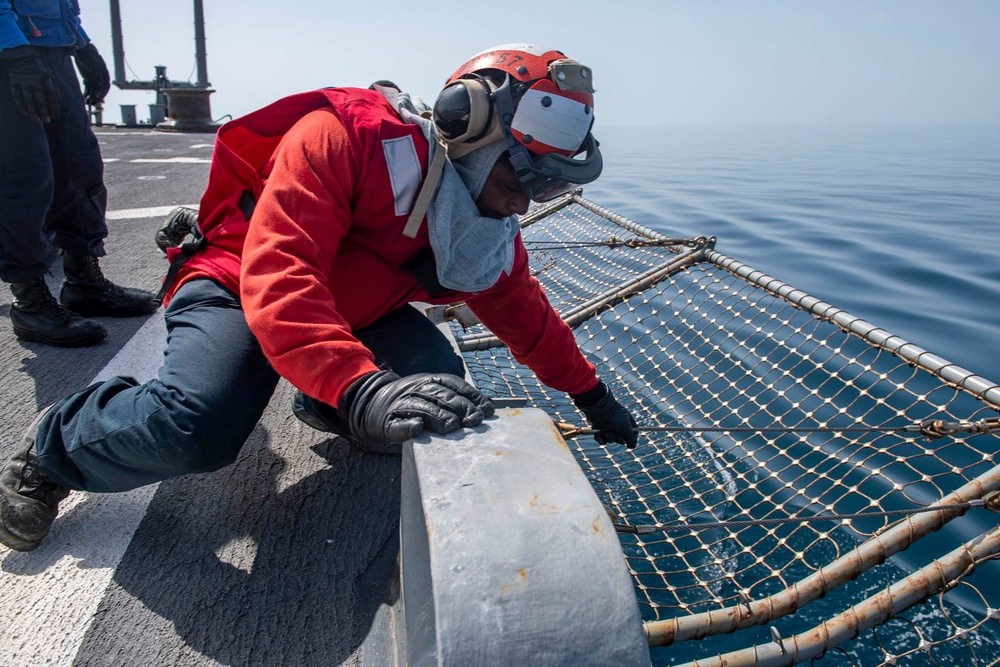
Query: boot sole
[[377, 450], [74, 342]]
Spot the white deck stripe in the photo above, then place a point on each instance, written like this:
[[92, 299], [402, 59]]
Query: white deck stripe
[[148, 212], [49, 596], [172, 160]]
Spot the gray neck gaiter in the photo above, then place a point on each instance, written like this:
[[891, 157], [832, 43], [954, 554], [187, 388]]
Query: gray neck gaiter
[[470, 251]]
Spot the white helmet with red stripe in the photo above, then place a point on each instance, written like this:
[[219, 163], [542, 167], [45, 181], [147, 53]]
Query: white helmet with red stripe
[[539, 101]]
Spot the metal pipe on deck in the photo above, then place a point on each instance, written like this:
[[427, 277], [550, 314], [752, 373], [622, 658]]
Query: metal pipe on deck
[[200, 56], [117, 50]]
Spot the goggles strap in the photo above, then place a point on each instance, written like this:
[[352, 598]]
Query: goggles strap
[[520, 158]]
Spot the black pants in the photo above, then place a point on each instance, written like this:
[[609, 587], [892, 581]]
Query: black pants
[[207, 397], [51, 178]]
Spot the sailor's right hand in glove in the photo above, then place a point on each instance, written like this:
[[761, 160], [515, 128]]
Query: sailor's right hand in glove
[[383, 408], [94, 72]]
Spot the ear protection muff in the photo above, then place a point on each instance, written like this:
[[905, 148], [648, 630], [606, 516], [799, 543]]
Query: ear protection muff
[[464, 111]]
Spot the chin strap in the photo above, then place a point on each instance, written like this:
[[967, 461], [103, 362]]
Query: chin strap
[[426, 194], [520, 158]]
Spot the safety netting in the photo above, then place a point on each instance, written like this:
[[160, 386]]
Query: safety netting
[[781, 502]]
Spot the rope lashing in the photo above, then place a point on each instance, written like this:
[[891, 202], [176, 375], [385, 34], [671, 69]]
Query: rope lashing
[[932, 429], [615, 242]]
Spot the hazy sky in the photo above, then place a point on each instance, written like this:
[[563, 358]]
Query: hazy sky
[[655, 61]]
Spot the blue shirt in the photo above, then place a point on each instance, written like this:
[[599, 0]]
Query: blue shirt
[[41, 23]]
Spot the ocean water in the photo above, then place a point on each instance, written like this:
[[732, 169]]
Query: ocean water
[[899, 225]]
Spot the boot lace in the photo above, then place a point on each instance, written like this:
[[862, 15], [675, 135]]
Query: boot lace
[[44, 303], [91, 274]]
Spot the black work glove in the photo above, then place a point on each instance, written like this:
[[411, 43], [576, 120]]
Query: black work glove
[[94, 71], [383, 408], [612, 421], [31, 82]]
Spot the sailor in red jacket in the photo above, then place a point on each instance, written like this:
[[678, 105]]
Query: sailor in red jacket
[[326, 214]]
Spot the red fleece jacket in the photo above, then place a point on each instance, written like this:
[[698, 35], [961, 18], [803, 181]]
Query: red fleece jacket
[[322, 252]]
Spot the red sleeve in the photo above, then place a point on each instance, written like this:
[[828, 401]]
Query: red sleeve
[[303, 214], [518, 312]]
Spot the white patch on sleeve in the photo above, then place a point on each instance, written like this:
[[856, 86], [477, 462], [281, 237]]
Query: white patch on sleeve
[[509, 266], [405, 172]]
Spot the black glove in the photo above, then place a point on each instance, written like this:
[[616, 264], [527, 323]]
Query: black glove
[[94, 71], [612, 421], [31, 82], [383, 408]]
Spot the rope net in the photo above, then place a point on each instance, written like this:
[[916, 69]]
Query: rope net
[[740, 387]]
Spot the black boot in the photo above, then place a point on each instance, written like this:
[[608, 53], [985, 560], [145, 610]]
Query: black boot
[[38, 317], [87, 292], [323, 417], [178, 224], [308, 411], [29, 501]]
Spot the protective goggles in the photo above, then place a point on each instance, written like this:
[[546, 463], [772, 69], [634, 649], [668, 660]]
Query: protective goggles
[[545, 177], [549, 175]]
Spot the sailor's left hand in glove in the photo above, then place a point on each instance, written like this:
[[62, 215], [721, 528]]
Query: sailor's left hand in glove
[[32, 85], [383, 408], [94, 71], [613, 422]]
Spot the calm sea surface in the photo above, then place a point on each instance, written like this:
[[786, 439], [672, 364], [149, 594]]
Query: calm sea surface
[[899, 225]]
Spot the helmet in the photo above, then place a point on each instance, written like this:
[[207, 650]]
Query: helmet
[[537, 100]]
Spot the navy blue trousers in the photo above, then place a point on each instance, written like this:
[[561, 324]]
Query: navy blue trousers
[[207, 397], [51, 179]]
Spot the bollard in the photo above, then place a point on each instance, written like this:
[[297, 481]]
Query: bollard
[[190, 111]]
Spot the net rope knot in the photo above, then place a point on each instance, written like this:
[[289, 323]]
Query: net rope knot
[[992, 502], [935, 429]]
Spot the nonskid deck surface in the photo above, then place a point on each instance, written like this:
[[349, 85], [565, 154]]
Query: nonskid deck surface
[[279, 559]]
